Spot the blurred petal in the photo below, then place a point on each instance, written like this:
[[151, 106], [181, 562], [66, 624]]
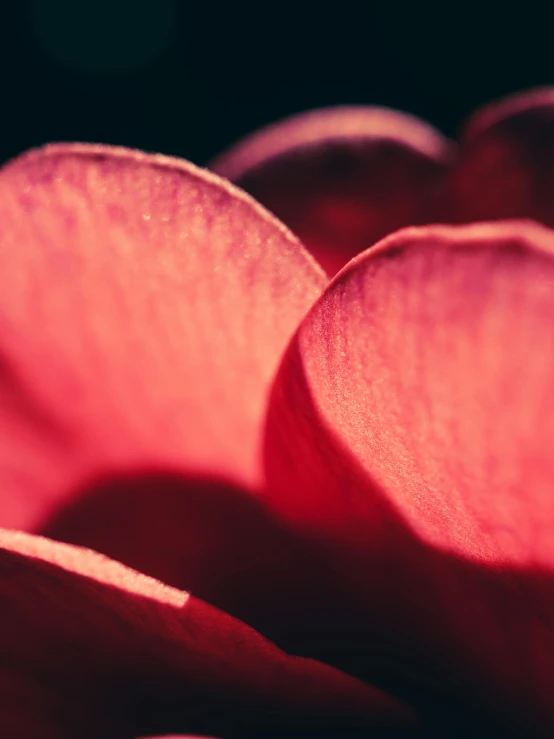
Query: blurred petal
[[144, 306], [411, 426], [90, 648], [507, 161], [342, 178]]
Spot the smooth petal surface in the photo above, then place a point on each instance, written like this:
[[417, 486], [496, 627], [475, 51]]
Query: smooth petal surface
[[411, 427], [144, 307], [342, 178], [506, 168], [89, 648]]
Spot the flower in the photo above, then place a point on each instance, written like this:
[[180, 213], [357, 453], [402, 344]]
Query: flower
[[360, 469]]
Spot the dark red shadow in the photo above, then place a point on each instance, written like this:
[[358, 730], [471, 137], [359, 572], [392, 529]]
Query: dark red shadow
[[205, 536], [220, 543]]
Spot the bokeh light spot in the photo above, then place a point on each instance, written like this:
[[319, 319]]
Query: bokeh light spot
[[104, 37]]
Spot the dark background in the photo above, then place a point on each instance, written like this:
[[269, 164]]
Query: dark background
[[188, 78]]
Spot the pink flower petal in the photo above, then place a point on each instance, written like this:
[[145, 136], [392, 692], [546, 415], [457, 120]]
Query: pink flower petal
[[144, 306], [342, 178], [89, 648], [411, 427], [507, 163]]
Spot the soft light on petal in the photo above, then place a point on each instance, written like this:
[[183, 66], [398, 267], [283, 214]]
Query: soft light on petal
[[342, 178], [411, 426], [144, 307]]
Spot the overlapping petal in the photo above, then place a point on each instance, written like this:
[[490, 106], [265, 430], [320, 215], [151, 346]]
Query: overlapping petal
[[506, 168], [145, 305], [411, 425], [342, 178], [91, 648]]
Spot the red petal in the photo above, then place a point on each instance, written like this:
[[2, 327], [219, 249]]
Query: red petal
[[411, 425], [342, 178], [205, 536], [90, 648], [144, 306], [507, 164]]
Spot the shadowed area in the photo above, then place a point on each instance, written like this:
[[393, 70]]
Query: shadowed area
[[461, 639], [220, 543], [91, 648], [208, 537]]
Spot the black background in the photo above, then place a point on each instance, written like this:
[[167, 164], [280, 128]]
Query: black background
[[70, 69]]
